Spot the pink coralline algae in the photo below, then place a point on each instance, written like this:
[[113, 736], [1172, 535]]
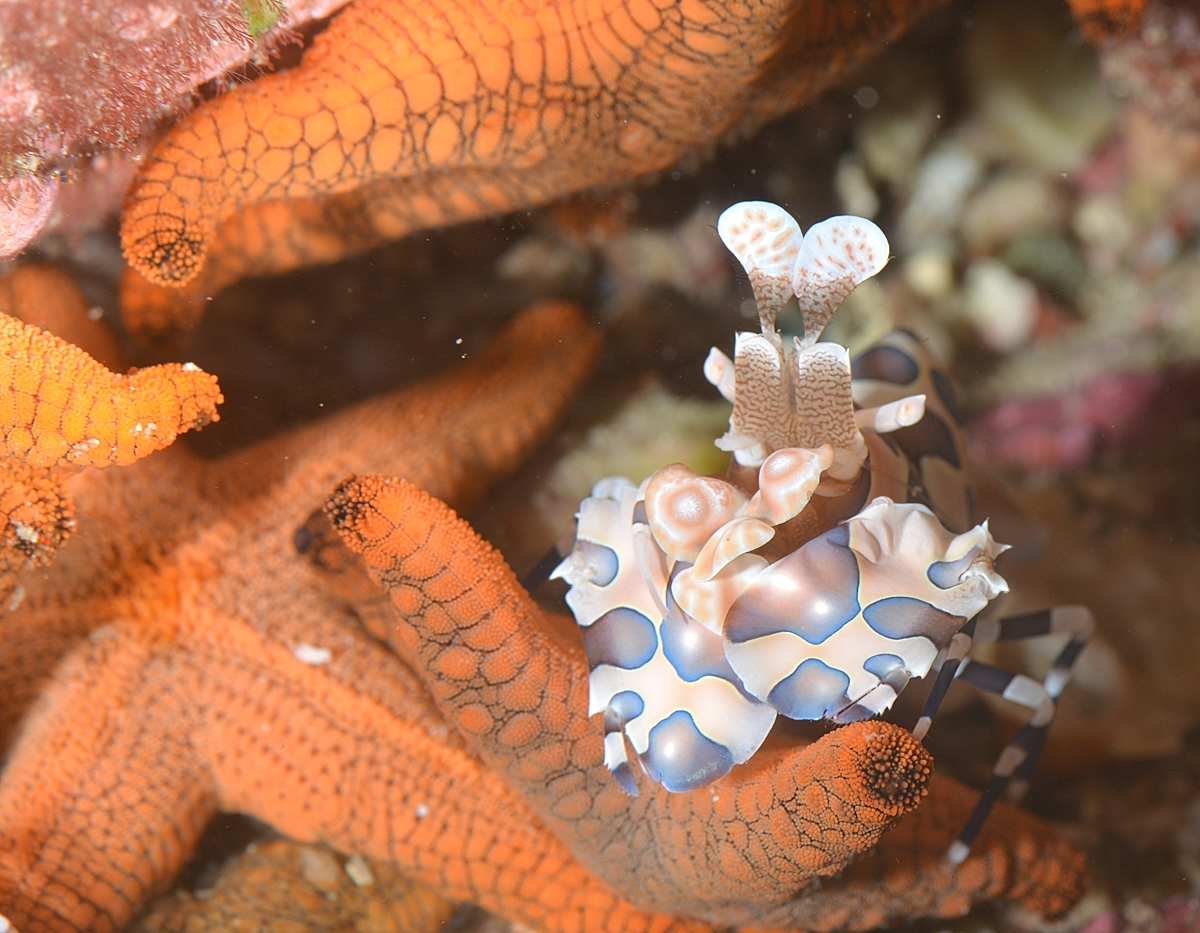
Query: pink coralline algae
[[1060, 432], [79, 77], [25, 205]]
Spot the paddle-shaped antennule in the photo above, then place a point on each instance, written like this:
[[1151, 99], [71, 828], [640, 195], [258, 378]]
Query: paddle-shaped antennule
[[836, 255], [766, 240]]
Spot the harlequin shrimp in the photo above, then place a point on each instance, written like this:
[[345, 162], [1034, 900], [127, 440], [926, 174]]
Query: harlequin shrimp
[[836, 561]]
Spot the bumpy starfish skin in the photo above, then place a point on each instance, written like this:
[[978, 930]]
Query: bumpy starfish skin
[[190, 692], [741, 851], [449, 112], [205, 683], [36, 518], [47, 297], [61, 410], [60, 407]]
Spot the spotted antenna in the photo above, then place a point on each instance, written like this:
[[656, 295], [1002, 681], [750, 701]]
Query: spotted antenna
[[766, 240], [836, 255]]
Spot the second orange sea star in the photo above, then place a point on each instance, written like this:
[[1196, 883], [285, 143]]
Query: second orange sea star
[[224, 651], [405, 116], [415, 115]]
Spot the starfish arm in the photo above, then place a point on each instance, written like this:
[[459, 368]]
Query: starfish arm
[[401, 118], [514, 99], [47, 297], [37, 515], [343, 770], [453, 435], [61, 407], [907, 875], [99, 808], [517, 688], [147, 730], [269, 238], [57, 606]]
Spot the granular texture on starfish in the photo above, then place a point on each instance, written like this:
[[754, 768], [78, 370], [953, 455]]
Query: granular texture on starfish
[[58, 406], [282, 886], [745, 850], [54, 389], [907, 875], [451, 114], [202, 644], [36, 518], [186, 655]]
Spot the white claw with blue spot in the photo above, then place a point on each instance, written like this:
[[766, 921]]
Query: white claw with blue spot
[[836, 629], [661, 679]]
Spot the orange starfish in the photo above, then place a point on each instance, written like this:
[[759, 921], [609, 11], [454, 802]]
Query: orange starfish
[[197, 612], [419, 115], [59, 407], [62, 411], [423, 114], [740, 851], [229, 662], [48, 298]]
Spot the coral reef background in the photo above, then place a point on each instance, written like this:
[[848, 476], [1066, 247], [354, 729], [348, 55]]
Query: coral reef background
[[1043, 199]]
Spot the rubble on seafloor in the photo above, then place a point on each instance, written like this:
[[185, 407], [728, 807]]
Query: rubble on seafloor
[[1042, 199]]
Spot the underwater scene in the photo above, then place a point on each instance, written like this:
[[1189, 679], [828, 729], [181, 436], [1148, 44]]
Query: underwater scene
[[600, 466]]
